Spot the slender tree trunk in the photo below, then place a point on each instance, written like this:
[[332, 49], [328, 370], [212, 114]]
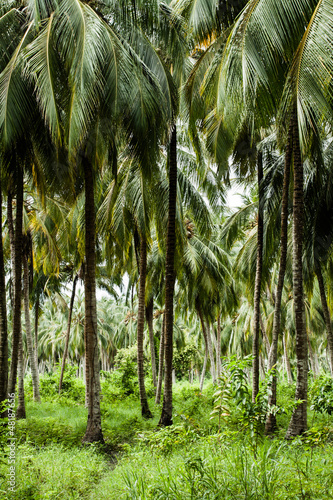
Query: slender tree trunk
[[86, 371], [262, 366], [146, 413], [218, 350], [257, 285], [204, 367], [272, 359], [264, 335], [312, 359], [31, 350], [149, 319], [70, 312], [3, 320], [327, 315], [20, 412], [36, 324], [298, 422], [208, 340], [160, 364], [17, 282], [94, 426], [10, 225], [211, 354], [286, 359], [166, 416]]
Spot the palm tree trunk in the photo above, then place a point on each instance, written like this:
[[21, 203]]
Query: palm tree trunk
[[207, 338], [262, 366], [94, 426], [149, 319], [218, 343], [17, 283], [327, 315], [70, 312], [264, 335], [257, 285], [10, 225], [160, 364], [166, 416], [146, 413], [312, 359], [298, 422], [270, 425], [203, 373], [36, 323], [3, 320], [211, 354], [31, 350], [286, 359], [20, 412]]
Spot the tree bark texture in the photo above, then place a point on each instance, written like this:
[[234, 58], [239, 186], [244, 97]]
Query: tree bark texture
[[36, 323], [3, 320], [150, 319], [298, 422], [11, 233], [270, 425], [327, 315], [257, 285], [218, 350], [286, 359], [28, 333], [146, 413], [211, 354], [70, 312], [312, 359], [204, 367], [94, 427], [207, 338], [17, 282], [160, 364], [264, 335], [20, 412], [166, 416]]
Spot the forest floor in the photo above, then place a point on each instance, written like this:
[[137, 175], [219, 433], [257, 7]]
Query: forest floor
[[197, 458]]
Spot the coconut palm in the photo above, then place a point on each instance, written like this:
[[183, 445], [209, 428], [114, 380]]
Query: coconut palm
[[261, 46]]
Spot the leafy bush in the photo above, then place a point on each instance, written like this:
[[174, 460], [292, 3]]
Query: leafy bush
[[166, 440], [73, 390], [321, 395], [183, 359], [234, 398], [123, 381]]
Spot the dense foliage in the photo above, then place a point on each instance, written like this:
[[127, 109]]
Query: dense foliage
[[125, 274]]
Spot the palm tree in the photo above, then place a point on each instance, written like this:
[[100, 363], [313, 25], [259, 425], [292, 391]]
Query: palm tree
[[76, 277], [80, 35], [32, 349], [3, 318], [252, 62]]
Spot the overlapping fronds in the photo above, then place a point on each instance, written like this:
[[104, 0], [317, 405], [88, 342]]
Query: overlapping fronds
[[15, 96]]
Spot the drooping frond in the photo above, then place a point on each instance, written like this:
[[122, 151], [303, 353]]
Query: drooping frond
[[308, 85], [14, 93], [43, 66]]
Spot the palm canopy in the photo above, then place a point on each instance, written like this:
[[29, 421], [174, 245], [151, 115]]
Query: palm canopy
[[68, 45], [271, 39]]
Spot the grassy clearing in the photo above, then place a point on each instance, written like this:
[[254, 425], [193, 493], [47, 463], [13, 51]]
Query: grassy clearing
[[213, 469], [193, 459]]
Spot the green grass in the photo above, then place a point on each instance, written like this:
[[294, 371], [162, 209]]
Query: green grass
[[190, 460], [211, 469], [55, 472]]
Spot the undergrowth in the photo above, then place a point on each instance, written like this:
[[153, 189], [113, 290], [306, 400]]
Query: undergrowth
[[214, 450]]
